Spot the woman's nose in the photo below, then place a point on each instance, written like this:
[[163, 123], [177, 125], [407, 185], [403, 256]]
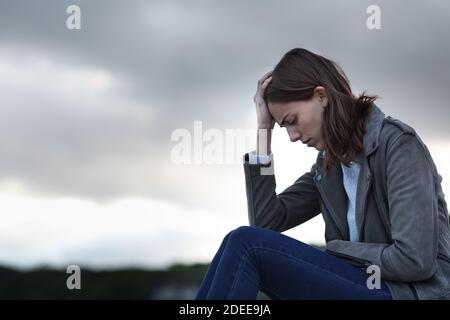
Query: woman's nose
[[294, 136]]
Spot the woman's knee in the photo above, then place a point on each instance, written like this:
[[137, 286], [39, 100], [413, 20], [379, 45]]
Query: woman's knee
[[243, 234]]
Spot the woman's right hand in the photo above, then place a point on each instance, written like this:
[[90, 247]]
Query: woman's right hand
[[264, 118]]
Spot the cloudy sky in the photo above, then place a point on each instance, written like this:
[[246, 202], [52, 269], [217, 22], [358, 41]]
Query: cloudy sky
[[86, 116]]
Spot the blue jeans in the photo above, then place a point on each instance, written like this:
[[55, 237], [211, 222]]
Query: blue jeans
[[252, 259]]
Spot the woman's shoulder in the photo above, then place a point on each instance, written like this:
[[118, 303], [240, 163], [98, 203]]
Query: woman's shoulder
[[393, 129], [393, 125]]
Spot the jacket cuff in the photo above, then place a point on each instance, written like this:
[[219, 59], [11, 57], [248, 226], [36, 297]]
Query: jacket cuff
[[254, 158]]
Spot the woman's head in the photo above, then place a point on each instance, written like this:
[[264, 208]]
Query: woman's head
[[311, 96], [302, 118]]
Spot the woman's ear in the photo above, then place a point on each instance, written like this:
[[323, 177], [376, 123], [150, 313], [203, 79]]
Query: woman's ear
[[321, 94]]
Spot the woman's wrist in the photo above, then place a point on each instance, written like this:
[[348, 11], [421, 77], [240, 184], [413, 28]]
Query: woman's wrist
[[263, 141]]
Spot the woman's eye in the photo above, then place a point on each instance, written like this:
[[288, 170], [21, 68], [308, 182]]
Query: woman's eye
[[292, 121]]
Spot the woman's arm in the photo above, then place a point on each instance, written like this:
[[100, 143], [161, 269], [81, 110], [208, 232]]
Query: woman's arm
[[266, 209], [264, 119], [295, 205]]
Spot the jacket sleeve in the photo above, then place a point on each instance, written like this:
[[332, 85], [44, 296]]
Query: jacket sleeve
[[295, 205], [413, 215]]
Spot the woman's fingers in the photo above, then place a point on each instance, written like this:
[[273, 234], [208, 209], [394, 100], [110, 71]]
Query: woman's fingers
[[262, 85], [266, 82], [264, 77]]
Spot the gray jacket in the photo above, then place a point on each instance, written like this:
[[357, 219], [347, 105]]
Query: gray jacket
[[401, 213]]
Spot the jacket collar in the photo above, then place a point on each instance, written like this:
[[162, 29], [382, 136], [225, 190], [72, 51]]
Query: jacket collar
[[373, 124]]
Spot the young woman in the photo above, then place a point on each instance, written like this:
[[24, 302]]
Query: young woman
[[374, 181]]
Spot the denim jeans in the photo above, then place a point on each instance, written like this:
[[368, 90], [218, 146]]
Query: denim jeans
[[252, 259]]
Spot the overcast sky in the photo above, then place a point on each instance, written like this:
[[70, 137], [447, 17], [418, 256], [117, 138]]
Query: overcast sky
[[86, 116]]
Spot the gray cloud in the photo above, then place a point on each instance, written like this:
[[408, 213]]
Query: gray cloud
[[176, 62]]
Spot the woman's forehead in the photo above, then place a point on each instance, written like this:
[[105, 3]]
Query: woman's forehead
[[281, 108], [281, 111]]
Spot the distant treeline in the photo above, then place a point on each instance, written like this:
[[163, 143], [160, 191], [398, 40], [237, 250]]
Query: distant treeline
[[177, 282]]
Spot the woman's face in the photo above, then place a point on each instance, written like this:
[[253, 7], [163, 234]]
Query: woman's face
[[302, 119]]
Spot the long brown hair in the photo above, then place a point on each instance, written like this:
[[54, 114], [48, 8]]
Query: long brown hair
[[296, 76]]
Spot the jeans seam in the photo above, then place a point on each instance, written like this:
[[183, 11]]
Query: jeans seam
[[230, 294], [244, 259]]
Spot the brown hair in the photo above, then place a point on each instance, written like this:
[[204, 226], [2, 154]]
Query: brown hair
[[296, 76]]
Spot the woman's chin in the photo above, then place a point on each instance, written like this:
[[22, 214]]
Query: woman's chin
[[318, 147]]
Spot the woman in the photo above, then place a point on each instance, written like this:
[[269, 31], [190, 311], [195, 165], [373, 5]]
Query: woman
[[374, 181]]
